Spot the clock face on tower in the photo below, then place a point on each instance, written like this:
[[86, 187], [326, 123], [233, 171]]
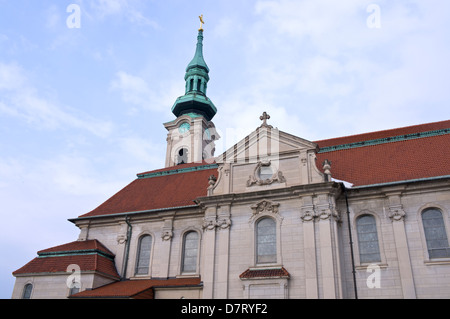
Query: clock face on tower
[[184, 128]]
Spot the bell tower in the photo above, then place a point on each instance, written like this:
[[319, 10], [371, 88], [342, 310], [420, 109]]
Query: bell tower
[[191, 135]]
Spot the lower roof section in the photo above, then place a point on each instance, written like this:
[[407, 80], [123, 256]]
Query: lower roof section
[[136, 289], [265, 273], [88, 256]]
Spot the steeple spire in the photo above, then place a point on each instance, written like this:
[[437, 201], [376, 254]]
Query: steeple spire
[[197, 78], [198, 60]]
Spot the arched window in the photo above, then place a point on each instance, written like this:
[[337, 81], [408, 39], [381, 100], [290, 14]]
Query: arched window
[[182, 156], [369, 250], [143, 255], [190, 252], [27, 291], [266, 241], [435, 233]]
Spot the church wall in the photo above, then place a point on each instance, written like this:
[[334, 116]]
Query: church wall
[[431, 276], [181, 226], [389, 272], [242, 248], [51, 286], [292, 254], [165, 260], [178, 293], [419, 276], [428, 278]]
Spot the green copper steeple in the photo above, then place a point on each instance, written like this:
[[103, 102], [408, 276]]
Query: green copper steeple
[[198, 61], [195, 100]]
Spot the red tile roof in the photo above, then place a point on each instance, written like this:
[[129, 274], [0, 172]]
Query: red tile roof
[[136, 288], [385, 161], [88, 255], [177, 186], [78, 246], [265, 273]]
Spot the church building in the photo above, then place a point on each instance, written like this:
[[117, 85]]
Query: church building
[[275, 216]]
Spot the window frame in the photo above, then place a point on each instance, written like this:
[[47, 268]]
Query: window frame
[[258, 244], [182, 271], [24, 291], [358, 237], [138, 255], [444, 216], [363, 266], [253, 221]]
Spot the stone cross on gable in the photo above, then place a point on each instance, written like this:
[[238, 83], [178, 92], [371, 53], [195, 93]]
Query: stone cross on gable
[[264, 118]]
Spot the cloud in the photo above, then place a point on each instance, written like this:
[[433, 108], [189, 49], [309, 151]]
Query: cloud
[[75, 175], [133, 89], [143, 94], [22, 100], [53, 17], [144, 152], [128, 9], [346, 74]]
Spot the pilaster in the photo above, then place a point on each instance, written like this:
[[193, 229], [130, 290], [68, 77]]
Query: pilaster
[[165, 247], [309, 248], [397, 215], [209, 246], [327, 217], [223, 250]]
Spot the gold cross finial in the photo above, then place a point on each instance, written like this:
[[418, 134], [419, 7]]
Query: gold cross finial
[[201, 23]]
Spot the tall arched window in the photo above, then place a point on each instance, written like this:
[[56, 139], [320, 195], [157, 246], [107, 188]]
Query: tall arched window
[[143, 255], [190, 252], [266, 241], [369, 250], [27, 291], [435, 233]]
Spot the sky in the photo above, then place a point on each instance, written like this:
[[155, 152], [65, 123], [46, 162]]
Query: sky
[[86, 85]]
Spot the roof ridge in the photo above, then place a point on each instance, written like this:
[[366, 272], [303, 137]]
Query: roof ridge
[[174, 170], [81, 252], [388, 130], [73, 248], [383, 140]]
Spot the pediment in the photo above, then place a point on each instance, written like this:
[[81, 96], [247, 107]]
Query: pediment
[[265, 142]]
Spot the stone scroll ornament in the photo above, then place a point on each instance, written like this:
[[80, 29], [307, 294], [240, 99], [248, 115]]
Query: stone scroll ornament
[[265, 206]]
